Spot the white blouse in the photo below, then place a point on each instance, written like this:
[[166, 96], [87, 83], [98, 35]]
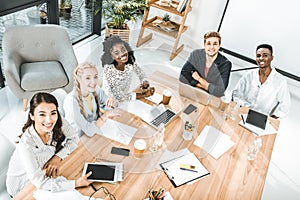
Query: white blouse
[[30, 156], [83, 124], [116, 83], [271, 98]]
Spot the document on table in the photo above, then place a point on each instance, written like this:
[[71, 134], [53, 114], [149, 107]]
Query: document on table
[[178, 175], [67, 194], [213, 141], [155, 98], [117, 131], [256, 130]]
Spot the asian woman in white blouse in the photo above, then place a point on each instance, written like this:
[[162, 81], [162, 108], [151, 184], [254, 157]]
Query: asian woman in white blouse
[[46, 140]]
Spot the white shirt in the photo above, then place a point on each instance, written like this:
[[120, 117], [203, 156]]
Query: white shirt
[[30, 156], [116, 83], [83, 124], [271, 98]]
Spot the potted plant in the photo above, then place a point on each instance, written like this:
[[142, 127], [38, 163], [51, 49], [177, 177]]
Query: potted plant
[[65, 7], [118, 12]]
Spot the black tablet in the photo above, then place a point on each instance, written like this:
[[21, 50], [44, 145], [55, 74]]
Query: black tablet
[[101, 172], [257, 119]]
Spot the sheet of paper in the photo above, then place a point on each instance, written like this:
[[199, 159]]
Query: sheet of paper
[[155, 98], [213, 141], [68, 194], [117, 131], [258, 131], [137, 108], [169, 155]]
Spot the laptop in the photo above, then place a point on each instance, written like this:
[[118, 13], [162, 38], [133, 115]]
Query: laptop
[[152, 115], [195, 94]]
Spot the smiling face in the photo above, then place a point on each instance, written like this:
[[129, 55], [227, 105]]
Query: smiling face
[[264, 58], [119, 53], [45, 116], [212, 46], [88, 80]]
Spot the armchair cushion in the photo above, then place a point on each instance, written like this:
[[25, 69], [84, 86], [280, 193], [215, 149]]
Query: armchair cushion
[[48, 75]]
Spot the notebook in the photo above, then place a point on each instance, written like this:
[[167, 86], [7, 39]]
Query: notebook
[[152, 115], [195, 94], [257, 119], [177, 172]]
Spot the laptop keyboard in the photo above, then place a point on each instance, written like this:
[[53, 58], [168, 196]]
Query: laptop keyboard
[[163, 118]]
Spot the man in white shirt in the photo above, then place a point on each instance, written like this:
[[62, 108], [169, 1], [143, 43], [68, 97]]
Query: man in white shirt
[[264, 90]]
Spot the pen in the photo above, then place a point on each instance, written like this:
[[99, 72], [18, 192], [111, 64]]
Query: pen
[[243, 119]]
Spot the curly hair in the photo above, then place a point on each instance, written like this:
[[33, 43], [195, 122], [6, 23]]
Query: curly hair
[[36, 100], [108, 44], [77, 74]]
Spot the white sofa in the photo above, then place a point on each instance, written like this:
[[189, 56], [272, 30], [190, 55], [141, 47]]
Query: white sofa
[[6, 150]]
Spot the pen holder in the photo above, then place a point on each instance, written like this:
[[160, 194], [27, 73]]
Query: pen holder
[[157, 194]]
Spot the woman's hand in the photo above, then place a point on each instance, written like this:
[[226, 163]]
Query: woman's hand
[[111, 102], [82, 181], [147, 93], [51, 167], [101, 120]]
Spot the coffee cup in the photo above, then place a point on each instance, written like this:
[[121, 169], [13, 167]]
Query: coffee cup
[[139, 147], [224, 102], [167, 94]]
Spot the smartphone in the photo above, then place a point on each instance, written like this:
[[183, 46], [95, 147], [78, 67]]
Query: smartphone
[[189, 109], [120, 151]]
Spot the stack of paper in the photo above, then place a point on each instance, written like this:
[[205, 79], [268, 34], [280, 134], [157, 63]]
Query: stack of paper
[[213, 141]]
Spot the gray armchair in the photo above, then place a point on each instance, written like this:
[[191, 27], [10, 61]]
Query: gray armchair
[[37, 58]]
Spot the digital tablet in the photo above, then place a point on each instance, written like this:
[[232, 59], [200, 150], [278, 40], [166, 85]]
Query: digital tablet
[[257, 119], [101, 172]]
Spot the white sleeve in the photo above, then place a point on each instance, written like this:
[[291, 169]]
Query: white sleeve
[[71, 140], [33, 168], [284, 101]]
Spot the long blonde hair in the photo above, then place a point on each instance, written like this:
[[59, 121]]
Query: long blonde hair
[[78, 72]]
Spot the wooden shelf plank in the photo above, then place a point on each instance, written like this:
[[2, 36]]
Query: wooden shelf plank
[[171, 9], [153, 24]]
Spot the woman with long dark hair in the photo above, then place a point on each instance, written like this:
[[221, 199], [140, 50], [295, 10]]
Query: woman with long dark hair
[[46, 139]]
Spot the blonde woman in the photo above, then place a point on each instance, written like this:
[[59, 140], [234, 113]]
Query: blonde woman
[[83, 105]]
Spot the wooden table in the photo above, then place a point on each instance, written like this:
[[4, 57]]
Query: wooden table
[[232, 176]]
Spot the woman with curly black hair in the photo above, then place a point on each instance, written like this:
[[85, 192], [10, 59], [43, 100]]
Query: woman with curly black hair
[[119, 65], [46, 139]]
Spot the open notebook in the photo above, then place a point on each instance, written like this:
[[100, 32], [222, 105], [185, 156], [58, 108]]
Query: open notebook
[[178, 175]]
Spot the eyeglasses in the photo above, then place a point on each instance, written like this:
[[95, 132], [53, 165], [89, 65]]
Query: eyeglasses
[[105, 190]]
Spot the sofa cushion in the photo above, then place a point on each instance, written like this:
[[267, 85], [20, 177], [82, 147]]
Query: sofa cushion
[[42, 76]]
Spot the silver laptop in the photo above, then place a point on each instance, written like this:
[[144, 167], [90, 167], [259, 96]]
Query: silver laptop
[[193, 93], [154, 116]]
